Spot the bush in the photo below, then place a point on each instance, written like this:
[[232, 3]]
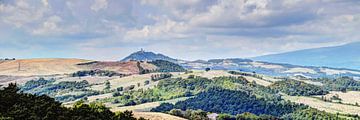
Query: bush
[[157, 77], [119, 89], [115, 94], [146, 82], [131, 87], [163, 107], [225, 117]]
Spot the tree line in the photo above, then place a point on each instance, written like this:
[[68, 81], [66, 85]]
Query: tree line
[[22, 106]]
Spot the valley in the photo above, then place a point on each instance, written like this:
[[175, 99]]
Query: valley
[[161, 89]]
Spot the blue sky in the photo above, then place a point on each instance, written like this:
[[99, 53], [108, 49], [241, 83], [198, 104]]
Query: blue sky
[[186, 29]]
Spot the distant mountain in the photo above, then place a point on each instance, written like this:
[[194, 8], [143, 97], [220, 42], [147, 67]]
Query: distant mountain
[[248, 65], [272, 69], [345, 56], [148, 56]]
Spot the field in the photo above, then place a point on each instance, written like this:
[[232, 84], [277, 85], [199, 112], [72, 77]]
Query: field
[[156, 116], [31, 67], [132, 80], [210, 74], [58, 66], [325, 106], [218, 73], [258, 81], [146, 107], [349, 97]]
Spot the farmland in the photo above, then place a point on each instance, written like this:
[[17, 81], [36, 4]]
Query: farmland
[[325, 106]]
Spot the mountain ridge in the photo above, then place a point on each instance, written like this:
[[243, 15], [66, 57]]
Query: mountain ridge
[[343, 56], [248, 65]]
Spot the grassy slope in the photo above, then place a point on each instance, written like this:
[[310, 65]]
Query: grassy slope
[[146, 107], [156, 116], [326, 106], [349, 97], [53, 66], [30, 67]]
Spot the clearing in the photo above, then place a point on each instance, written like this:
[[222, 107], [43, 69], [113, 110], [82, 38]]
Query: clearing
[[146, 107], [29, 67], [156, 116], [325, 106], [349, 97]]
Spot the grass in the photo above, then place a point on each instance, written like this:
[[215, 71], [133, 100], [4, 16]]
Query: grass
[[325, 106], [210, 74], [146, 107], [349, 97], [258, 81], [29, 67], [156, 116]]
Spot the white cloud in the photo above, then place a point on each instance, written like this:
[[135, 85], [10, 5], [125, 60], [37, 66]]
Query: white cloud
[[165, 29], [49, 26], [237, 28], [45, 2], [21, 13], [98, 5]]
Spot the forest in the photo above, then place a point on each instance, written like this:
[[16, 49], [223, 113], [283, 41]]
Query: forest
[[15, 105], [298, 88], [339, 84], [232, 102], [166, 66]]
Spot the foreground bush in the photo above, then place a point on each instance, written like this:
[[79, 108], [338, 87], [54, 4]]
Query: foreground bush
[[20, 106]]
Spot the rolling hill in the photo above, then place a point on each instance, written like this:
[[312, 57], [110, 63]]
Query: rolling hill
[[148, 56], [52, 66], [247, 65], [344, 56]]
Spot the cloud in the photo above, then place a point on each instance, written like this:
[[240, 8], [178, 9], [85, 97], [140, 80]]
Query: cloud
[[165, 29], [45, 2], [21, 13], [190, 29], [98, 5]]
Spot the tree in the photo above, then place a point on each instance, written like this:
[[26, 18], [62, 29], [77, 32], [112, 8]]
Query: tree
[[119, 89], [146, 82], [176, 112], [225, 117], [107, 85], [207, 69], [21, 106]]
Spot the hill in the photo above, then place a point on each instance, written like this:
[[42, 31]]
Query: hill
[[148, 56], [344, 56], [44, 66], [248, 65], [271, 69], [53, 66]]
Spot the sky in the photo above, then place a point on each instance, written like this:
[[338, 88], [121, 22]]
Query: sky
[[185, 29]]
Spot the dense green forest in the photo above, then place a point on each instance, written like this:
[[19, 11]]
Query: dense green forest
[[15, 105], [219, 100], [339, 84], [166, 66], [297, 88], [171, 88]]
